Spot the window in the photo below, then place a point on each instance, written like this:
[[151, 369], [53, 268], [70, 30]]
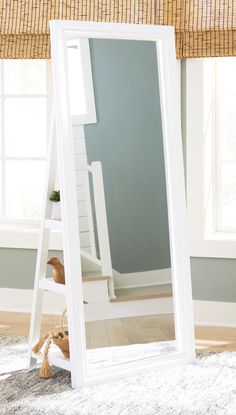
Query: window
[[211, 156], [225, 144], [25, 101], [24, 108]]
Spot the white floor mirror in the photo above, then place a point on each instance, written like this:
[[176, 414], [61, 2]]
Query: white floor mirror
[[128, 285]]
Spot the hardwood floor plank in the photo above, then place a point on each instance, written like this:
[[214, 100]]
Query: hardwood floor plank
[[98, 336], [116, 333], [88, 334], [132, 330]]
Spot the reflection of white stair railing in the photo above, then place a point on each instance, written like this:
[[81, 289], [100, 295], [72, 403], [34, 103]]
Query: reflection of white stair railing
[[101, 219]]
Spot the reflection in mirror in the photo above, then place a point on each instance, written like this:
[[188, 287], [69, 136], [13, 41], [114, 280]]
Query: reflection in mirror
[[122, 200], [75, 78]]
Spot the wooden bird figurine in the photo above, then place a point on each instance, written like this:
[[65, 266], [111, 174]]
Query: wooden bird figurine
[[58, 272]]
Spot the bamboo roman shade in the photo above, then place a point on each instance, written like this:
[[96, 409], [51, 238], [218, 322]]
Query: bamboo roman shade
[[202, 27]]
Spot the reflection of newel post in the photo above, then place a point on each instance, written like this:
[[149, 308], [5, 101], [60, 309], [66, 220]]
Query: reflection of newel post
[[102, 228]]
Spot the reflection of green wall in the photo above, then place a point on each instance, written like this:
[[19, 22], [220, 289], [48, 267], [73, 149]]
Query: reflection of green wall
[[127, 139]]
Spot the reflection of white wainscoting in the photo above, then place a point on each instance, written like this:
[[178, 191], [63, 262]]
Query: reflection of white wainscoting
[[142, 279], [107, 311], [20, 300], [206, 313]]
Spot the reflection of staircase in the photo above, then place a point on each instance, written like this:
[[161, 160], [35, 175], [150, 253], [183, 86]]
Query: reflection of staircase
[[97, 273], [128, 302], [89, 260], [90, 188], [142, 293]]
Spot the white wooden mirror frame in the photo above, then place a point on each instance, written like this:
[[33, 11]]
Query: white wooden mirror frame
[[61, 31]]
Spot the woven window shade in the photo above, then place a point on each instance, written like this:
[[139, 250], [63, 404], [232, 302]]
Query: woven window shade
[[203, 27]]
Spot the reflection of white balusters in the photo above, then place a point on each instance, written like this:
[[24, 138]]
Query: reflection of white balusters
[[90, 216], [102, 228], [82, 181]]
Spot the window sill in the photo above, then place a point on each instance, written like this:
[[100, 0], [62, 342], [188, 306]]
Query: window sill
[[217, 245], [26, 237], [223, 236]]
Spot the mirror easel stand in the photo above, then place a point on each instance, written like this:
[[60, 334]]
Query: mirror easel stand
[[43, 284]]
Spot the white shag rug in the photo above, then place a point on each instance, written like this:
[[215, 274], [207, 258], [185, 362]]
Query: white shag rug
[[206, 387]]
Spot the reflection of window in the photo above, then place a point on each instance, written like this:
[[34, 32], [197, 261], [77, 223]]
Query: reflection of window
[[211, 155], [76, 84], [81, 94], [24, 120]]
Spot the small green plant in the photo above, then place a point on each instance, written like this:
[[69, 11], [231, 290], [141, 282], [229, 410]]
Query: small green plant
[[55, 196]]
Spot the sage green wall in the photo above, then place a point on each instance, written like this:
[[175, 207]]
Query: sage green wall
[[127, 139], [214, 279], [18, 267]]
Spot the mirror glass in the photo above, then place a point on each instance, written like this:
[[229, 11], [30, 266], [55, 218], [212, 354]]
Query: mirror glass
[[122, 200]]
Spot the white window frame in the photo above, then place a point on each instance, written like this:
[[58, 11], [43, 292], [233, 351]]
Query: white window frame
[[23, 233], [199, 107], [219, 159]]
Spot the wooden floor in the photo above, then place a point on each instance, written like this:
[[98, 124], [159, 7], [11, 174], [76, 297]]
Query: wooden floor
[[125, 331]]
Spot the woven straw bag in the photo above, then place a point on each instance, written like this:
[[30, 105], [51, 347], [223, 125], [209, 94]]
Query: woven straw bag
[[60, 338]]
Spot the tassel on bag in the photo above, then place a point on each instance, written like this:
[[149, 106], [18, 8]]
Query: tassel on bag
[[40, 343], [61, 339], [45, 370]]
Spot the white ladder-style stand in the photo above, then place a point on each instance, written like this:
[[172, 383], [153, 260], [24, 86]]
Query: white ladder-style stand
[[73, 287], [63, 152]]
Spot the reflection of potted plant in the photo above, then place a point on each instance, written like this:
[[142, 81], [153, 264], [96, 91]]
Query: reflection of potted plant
[[56, 207]]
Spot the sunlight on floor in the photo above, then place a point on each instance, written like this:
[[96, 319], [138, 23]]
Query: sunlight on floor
[[203, 344], [4, 326]]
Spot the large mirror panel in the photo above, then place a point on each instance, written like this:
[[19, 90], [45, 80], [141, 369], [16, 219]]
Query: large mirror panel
[[122, 200]]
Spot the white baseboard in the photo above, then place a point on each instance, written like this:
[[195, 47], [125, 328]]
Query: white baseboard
[[206, 313], [142, 279], [214, 313]]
